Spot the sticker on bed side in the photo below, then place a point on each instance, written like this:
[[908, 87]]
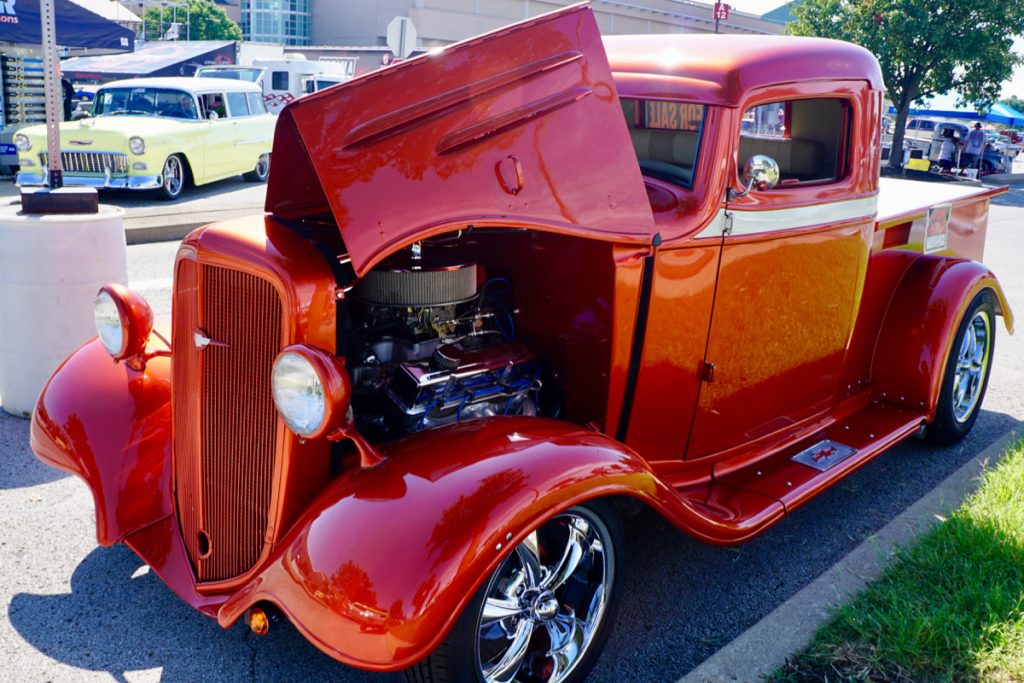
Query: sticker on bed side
[[936, 228]]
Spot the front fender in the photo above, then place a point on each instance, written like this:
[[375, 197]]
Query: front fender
[[378, 570], [110, 426], [918, 329]]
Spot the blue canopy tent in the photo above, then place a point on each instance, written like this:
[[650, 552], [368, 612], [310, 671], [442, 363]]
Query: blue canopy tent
[[76, 27], [945, 107]]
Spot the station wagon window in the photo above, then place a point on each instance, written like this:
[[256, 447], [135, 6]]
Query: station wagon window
[[237, 104], [279, 80], [212, 102], [666, 138], [808, 139], [145, 102], [256, 106]]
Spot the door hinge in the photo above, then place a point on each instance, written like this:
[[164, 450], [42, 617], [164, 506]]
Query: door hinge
[[707, 373], [727, 227]]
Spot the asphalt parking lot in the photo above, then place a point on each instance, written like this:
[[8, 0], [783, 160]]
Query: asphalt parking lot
[[76, 612]]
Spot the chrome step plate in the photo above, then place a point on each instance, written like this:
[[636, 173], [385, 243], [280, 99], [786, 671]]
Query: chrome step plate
[[824, 455]]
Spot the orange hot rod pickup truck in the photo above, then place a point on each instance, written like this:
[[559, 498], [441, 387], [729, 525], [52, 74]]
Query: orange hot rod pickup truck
[[503, 293]]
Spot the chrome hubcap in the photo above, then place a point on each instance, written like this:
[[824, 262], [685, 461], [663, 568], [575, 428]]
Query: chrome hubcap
[[173, 175], [545, 603], [971, 366], [263, 165]]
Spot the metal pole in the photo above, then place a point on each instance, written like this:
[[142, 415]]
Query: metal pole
[[188, 21], [54, 93]]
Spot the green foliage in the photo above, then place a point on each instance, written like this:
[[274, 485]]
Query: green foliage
[[206, 21], [1014, 101], [925, 47], [950, 608]]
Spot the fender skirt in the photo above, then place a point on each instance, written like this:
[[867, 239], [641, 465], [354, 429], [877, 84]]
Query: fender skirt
[[378, 570], [923, 316]]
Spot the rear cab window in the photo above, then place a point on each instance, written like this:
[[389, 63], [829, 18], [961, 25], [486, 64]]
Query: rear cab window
[[807, 138], [666, 138]]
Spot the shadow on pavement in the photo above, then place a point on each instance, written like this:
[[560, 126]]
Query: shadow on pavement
[[1015, 197], [19, 468], [117, 619]]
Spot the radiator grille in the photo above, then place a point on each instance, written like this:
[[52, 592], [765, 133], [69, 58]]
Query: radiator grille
[[90, 162], [225, 445]]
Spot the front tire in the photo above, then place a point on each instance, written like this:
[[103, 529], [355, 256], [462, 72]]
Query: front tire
[[261, 172], [545, 613], [174, 177], [966, 376]]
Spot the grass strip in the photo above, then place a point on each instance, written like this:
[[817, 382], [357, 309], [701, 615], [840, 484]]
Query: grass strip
[[948, 609]]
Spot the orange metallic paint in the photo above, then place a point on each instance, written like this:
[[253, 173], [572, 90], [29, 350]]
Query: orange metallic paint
[[374, 565]]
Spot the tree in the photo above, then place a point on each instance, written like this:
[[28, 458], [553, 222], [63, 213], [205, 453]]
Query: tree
[[925, 47], [1014, 102], [206, 21]]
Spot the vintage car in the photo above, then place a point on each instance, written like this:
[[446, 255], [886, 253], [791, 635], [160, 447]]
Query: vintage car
[[503, 294], [158, 134]]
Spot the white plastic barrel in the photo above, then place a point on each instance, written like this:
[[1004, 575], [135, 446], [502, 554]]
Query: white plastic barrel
[[50, 269]]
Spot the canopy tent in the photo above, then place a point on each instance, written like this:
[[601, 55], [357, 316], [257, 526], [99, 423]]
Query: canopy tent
[[76, 27], [155, 58], [945, 107]]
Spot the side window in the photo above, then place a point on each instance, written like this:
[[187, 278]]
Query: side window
[[809, 139], [912, 125], [213, 102], [237, 104], [256, 103], [927, 125], [666, 138], [279, 80]]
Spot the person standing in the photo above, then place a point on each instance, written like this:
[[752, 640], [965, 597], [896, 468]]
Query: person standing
[[947, 152], [68, 91], [974, 146]]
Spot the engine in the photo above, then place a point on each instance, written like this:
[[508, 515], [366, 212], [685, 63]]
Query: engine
[[431, 346]]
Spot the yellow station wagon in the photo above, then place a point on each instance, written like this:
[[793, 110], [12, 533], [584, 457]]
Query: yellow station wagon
[[159, 134]]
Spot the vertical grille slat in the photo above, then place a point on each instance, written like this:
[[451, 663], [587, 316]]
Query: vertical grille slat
[[230, 469]]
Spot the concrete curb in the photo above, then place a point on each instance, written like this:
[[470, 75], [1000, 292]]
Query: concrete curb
[[160, 233], [1004, 179], [764, 647]]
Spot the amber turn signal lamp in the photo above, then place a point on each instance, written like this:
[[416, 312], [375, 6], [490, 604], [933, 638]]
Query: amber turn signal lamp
[[124, 321], [258, 621]]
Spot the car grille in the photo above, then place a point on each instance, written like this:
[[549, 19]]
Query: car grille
[[225, 424], [90, 162]]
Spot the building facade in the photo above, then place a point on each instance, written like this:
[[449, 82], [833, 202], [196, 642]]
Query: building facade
[[440, 22], [281, 22]]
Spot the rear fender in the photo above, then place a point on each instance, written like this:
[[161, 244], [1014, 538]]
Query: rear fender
[[381, 565], [110, 425], [918, 329]]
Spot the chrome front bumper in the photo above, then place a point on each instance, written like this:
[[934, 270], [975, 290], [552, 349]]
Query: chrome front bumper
[[132, 182]]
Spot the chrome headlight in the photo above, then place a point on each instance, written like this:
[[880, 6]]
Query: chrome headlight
[[123, 320], [109, 327], [22, 142], [137, 145], [298, 394]]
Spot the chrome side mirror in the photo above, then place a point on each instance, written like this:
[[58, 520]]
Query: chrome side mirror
[[760, 173]]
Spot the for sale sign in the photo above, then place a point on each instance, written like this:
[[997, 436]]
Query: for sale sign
[[937, 228]]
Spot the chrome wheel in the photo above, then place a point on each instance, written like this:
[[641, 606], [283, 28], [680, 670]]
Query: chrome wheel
[[174, 176], [971, 365], [544, 605], [263, 166]]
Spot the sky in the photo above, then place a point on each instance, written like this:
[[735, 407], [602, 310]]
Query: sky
[[1014, 86]]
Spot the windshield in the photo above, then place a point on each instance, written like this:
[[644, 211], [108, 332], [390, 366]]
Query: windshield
[[241, 73], [176, 104], [666, 137]]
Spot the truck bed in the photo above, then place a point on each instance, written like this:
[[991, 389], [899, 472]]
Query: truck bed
[[903, 216], [904, 200]]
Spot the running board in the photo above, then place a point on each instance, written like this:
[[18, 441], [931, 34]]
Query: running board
[[742, 502], [795, 475]]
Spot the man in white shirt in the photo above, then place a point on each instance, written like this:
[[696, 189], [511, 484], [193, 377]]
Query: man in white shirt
[[973, 147], [947, 152]]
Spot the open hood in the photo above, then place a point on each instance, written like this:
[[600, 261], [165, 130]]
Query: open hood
[[521, 126]]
